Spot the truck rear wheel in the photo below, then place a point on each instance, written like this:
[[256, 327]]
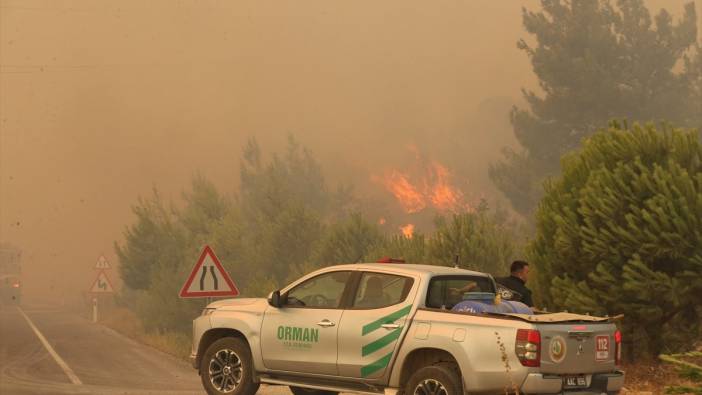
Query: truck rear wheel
[[442, 379], [309, 391], [227, 368]]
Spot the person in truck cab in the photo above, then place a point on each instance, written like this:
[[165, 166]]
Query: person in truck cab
[[516, 281], [373, 294]]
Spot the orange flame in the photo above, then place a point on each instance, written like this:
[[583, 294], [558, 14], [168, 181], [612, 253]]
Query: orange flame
[[408, 196], [381, 221], [433, 189], [443, 195], [407, 230]]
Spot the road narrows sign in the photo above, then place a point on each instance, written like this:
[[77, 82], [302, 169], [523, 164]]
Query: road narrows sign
[[102, 263], [208, 278], [102, 284]]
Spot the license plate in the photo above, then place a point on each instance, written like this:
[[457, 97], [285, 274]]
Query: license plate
[[574, 382]]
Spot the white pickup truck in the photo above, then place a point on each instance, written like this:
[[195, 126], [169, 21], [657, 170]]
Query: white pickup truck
[[390, 329]]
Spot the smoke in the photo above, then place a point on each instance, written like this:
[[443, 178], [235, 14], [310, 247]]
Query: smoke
[[100, 101]]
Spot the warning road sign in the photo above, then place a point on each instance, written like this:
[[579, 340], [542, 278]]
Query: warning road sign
[[208, 278], [102, 263], [102, 284]]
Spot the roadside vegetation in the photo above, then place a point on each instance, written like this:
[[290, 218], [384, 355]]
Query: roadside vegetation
[[689, 369], [610, 217], [284, 222]]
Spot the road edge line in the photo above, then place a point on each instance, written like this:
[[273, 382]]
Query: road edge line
[[62, 364]]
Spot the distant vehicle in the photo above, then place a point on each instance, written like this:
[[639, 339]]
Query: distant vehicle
[[10, 289], [395, 329], [10, 272]]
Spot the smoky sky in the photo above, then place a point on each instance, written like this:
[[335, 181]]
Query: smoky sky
[[100, 101]]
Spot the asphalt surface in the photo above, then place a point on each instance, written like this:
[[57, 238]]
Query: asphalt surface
[[98, 360]]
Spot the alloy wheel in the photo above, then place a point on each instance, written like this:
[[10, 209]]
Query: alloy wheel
[[225, 370], [430, 387]]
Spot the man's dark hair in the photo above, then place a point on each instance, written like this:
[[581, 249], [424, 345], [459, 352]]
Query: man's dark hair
[[517, 266]]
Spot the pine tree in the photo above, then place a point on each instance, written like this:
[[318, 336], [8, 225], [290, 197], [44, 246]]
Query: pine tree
[[483, 240], [155, 237], [347, 241], [596, 62], [621, 232]]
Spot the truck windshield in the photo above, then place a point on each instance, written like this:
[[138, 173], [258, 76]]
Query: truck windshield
[[446, 291]]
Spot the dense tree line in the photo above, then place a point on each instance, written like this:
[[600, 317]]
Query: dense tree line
[[283, 222], [618, 232]]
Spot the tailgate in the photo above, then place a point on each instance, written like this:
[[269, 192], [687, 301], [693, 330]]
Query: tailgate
[[577, 348]]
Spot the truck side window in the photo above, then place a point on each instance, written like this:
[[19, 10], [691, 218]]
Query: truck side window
[[323, 291], [446, 291], [376, 290]]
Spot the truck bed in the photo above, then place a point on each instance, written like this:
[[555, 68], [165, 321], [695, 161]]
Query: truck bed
[[571, 345]]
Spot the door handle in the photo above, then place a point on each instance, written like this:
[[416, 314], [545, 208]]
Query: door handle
[[390, 326], [325, 323]]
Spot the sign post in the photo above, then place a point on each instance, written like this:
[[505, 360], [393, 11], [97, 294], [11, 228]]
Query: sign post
[[95, 309], [101, 285], [208, 278]]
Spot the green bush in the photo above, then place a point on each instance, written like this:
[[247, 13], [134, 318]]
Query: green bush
[[621, 232]]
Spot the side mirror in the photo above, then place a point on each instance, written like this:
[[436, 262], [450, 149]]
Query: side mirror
[[274, 299]]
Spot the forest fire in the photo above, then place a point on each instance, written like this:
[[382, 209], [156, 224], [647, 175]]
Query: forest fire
[[422, 188], [444, 196], [406, 193], [407, 230], [433, 188]]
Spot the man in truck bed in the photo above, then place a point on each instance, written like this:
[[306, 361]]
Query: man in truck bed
[[516, 281]]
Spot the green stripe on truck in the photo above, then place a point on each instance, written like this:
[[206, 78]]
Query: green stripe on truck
[[375, 366], [382, 342], [388, 319]]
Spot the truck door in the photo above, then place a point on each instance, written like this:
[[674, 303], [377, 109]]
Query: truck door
[[301, 336], [373, 323]]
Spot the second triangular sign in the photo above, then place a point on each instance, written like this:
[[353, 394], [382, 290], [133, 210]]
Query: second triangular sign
[[208, 278]]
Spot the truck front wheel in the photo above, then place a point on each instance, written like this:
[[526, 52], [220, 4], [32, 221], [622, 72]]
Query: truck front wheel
[[442, 379], [227, 368]]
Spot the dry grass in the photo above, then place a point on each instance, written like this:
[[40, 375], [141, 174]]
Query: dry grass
[[127, 323], [651, 377]]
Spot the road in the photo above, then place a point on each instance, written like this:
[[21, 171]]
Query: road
[[84, 358]]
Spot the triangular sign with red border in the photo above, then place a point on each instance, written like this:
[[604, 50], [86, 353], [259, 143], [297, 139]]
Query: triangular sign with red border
[[102, 284], [208, 278], [102, 263]]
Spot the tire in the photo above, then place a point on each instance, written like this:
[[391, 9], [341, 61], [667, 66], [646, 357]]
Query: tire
[[440, 379], [309, 391], [227, 368]]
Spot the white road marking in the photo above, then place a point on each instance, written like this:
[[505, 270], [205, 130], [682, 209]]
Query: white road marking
[[66, 369]]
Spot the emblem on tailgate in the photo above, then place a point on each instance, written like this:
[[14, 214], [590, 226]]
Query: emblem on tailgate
[[557, 349]]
